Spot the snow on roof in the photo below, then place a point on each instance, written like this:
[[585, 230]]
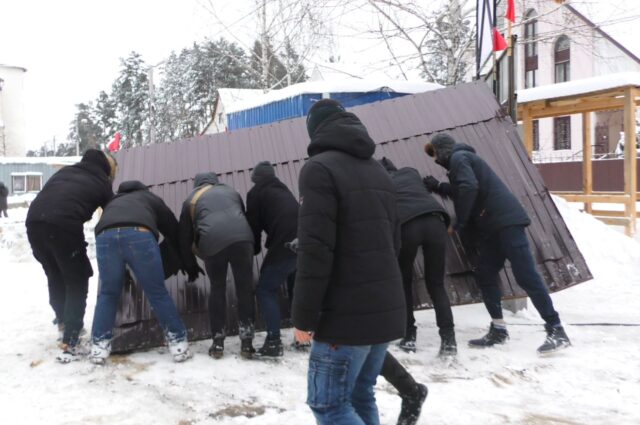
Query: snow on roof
[[345, 85], [52, 160], [230, 96], [586, 85]]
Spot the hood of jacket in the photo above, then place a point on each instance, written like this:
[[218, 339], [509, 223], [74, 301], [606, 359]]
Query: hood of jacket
[[98, 158], [342, 131], [205, 178], [131, 186]]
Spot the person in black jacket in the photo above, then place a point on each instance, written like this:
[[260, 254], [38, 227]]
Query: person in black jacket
[[127, 235], [4, 193], [348, 293], [55, 231], [424, 224], [272, 208], [214, 226], [486, 208]]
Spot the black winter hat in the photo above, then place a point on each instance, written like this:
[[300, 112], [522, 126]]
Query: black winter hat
[[320, 111], [97, 157], [262, 170], [441, 145]]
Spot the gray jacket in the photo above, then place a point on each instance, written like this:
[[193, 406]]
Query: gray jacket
[[219, 218]]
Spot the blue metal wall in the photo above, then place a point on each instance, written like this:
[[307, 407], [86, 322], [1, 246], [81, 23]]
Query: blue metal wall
[[298, 106]]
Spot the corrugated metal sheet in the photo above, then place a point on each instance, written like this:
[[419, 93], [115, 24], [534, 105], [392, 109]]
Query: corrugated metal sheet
[[6, 170], [400, 128], [298, 106], [608, 175]]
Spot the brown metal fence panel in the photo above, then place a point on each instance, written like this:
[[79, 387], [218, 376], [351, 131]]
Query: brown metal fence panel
[[400, 128], [608, 175]]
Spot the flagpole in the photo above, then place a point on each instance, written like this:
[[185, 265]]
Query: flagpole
[[495, 55]]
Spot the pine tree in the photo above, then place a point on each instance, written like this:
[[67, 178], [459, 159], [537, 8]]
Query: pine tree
[[83, 132], [131, 96]]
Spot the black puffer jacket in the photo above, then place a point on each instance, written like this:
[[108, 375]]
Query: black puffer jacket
[[348, 287], [219, 218], [413, 198], [135, 205], [480, 198], [71, 195], [4, 192], [272, 207]]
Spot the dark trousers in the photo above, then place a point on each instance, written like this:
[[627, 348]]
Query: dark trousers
[[430, 232], [272, 276], [240, 257], [4, 211], [510, 243], [397, 375], [63, 256]]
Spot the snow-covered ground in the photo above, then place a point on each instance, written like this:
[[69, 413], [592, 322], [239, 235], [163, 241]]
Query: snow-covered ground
[[595, 382]]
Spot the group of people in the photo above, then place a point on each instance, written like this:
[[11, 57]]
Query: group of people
[[345, 251]]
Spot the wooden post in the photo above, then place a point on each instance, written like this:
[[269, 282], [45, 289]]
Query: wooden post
[[527, 129], [587, 169], [630, 172]]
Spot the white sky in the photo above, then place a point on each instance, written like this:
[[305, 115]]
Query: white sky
[[71, 48]]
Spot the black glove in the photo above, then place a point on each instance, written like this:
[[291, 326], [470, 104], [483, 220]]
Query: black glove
[[293, 245], [194, 272], [431, 183]]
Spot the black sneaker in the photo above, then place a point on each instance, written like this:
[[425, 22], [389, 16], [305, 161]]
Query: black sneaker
[[217, 348], [301, 346], [271, 348], [412, 405], [557, 339], [493, 337], [448, 345], [408, 343], [246, 348]]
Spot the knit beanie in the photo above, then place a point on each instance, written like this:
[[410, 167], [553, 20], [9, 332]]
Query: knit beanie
[[320, 111], [441, 145], [97, 157], [262, 170]]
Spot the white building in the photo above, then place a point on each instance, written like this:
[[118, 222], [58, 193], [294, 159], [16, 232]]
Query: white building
[[565, 41], [12, 111]]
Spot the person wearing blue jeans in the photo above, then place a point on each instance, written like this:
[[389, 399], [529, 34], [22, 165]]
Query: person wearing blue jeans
[[272, 276], [488, 214], [348, 295], [127, 235]]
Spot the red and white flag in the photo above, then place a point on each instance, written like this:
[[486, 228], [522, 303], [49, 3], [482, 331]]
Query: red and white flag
[[114, 145], [511, 11]]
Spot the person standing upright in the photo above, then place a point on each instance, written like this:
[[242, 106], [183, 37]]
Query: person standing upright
[[424, 224], [55, 231], [127, 236], [4, 193], [348, 293], [214, 226], [485, 204], [272, 208]]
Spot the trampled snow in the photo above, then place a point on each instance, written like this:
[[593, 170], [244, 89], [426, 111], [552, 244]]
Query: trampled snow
[[597, 381]]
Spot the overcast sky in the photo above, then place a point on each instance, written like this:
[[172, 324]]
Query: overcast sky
[[71, 48]]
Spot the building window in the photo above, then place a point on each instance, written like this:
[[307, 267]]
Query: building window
[[536, 135], [562, 133], [562, 55], [530, 49], [26, 182]]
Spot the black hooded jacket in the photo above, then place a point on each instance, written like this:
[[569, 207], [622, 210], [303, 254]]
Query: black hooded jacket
[[348, 286], [480, 198], [135, 205], [413, 198], [70, 196], [272, 207], [4, 192]]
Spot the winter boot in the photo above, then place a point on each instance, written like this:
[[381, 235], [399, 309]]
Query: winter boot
[[246, 348], [180, 350], [301, 346], [68, 354], [557, 339], [100, 351], [408, 343], [217, 348], [448, 346], [494, 336], [272, 348], [412, 405]]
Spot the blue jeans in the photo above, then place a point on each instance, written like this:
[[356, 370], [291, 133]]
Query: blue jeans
[[510, 243], [272, 276], [340, 383], [116, 248]]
